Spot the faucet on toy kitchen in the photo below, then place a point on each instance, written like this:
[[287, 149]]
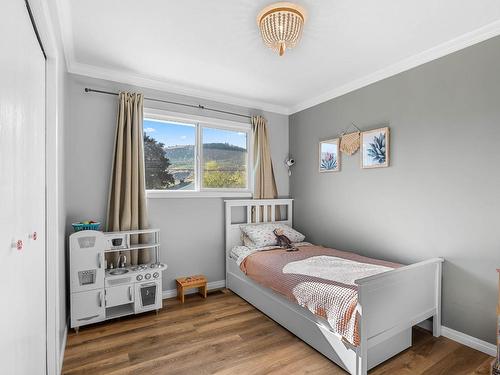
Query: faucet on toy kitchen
[[122, 264]]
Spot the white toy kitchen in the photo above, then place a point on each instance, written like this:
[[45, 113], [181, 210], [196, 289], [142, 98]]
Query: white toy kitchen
[[101, 291]]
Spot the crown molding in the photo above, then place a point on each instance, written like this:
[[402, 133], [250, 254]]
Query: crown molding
[[66, 30], [466, 40], [163, 85], [64, 14], [156, 83]]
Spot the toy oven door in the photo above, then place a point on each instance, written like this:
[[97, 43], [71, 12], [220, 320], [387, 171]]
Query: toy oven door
[[147, 296]]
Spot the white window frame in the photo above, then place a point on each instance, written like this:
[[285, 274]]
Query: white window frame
[[201, 122]]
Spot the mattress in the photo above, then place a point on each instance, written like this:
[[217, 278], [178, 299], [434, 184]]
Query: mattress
[[317, 278]]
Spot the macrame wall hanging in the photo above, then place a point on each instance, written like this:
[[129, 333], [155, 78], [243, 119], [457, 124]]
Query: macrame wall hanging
[[349, 142]]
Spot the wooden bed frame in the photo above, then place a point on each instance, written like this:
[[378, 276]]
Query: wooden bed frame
[[390, 303]]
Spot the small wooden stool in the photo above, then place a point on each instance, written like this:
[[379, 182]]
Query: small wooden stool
[[190, 282]]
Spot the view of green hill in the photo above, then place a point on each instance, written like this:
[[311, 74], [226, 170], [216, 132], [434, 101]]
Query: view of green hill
[[180, 156], [225, 154], [224, 165]]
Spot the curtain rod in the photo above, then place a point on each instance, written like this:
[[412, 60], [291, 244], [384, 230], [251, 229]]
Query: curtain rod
[[199, 106]]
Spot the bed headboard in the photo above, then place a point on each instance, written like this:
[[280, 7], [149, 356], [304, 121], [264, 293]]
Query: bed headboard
[[257, 211]]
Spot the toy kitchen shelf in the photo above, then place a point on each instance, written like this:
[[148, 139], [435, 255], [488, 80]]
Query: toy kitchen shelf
[[121, 241], [100, 293]]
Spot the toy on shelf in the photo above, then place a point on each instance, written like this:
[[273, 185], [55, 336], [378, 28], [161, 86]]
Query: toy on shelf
[[86, 225]]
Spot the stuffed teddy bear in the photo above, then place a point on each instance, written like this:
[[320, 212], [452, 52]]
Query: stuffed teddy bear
[[284, 241]]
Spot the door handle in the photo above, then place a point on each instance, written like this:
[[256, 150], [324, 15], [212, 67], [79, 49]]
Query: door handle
[[130, 293], [88, 318], [100, 299], [99, 260]]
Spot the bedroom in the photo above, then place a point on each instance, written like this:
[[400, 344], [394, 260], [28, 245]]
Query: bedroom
[[239, 122]]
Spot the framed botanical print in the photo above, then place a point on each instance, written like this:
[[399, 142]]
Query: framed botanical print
[[375, 148], [329, 156]]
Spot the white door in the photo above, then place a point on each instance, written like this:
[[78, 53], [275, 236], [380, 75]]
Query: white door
[[87, 307], [120, 295], [86, 261], [22, 194]]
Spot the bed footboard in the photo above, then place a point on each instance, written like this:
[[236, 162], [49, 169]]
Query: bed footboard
[[394, 301]]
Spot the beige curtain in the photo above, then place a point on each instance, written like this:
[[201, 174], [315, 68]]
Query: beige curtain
[[264, 182], [127, 208]]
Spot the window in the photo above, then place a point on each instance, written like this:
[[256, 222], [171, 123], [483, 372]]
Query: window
[[169, 155], [225, 159], [195, 156]]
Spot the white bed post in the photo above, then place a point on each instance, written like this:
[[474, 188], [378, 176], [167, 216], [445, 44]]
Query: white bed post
[[362, 350], [436, 319], [227, 239], [249, 215]]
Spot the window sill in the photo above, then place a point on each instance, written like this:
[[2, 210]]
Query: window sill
[[155, 194]]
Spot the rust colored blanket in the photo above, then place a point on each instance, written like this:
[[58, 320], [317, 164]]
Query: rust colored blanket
[[319, 279]]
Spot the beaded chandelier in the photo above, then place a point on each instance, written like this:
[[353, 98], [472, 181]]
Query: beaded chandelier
[[281, 25]]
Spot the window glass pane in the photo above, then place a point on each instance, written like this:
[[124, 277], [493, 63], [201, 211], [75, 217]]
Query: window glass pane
[[224, 159], [169, 155]]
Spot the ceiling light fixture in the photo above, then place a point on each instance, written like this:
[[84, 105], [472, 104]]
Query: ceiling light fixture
[[281, 25]]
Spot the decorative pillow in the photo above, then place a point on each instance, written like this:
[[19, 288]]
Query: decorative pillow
[[262, 234], [247, 241]]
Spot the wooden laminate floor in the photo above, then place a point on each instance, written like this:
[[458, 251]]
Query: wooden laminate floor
[[225, 335]]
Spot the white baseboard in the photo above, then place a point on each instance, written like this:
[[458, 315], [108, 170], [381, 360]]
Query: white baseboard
[[463, 338], [211, 285], [469, 341], [63, 348]]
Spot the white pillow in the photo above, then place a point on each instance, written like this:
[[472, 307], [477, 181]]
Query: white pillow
[[262, 234], [247, 241]]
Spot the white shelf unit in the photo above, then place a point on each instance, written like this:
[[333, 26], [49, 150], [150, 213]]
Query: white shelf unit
[[126, 235], [134, 247], [119, 311]]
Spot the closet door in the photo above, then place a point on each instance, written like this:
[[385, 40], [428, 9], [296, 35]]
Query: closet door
[[22, 192]]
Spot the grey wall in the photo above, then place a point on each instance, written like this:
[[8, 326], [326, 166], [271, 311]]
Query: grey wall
[[192, 229], [441, 194]]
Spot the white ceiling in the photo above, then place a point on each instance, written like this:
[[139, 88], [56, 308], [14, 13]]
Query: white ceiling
[[212, 49]]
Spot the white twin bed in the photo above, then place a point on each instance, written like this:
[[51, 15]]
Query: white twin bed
[[388, 303]]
